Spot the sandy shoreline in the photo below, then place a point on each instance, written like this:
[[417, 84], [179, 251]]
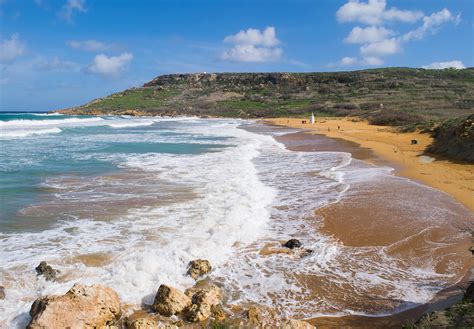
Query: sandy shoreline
[[452, 178], [371, 215]]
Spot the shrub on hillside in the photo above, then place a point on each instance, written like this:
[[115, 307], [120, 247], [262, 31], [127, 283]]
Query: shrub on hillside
[[392, 118]]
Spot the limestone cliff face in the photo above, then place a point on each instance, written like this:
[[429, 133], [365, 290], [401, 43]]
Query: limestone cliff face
[[429, 94]]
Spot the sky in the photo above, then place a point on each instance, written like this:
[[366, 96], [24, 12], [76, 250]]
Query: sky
[[61, 53]]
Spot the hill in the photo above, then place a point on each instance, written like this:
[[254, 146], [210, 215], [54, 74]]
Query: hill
[[408, 95]]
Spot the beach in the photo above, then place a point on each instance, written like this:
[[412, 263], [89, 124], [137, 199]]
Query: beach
[[408, 160], [384, 213], [129, 202]]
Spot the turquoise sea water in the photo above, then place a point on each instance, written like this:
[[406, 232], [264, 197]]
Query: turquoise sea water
[[39, 147]]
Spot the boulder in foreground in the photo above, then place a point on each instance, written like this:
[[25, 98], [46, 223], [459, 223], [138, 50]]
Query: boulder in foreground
[[81, 307], [170, 301], [204, 303]]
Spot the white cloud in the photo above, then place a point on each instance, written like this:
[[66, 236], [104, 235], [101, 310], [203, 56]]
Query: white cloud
[[349, 61], [254, 37], [253, 45], [109, 66], [56, 64], [431, 24], [377, 41], [445, 65], [381, 48], [374, 12], [368, 35], [11, 48], [250, 53], [72, 6], [354, 61], [89, 45], [372, 61]]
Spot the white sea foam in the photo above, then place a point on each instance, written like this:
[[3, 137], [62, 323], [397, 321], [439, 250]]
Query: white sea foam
[[134, 123], [22, 128], [16, 133], [232, 209], [42, 123]]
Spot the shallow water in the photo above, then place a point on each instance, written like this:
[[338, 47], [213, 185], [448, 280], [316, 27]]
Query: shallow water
[[128, 202]]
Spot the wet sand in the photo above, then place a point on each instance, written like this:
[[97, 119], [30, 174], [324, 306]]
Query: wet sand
[[396, 148], [374, 215]]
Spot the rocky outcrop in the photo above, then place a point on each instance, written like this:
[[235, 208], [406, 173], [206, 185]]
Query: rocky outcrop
[[199, 267], [292, 244], [460, 315], [170, 301], [47, 271], [204, 303], [454, 139], [81, 307]]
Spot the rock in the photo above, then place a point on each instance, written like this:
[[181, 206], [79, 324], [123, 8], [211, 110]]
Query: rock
[[292, 244], [296, 324], [82, 306], [47, 271], [254, 315], [170, 301], [198, 267], [469, 294], [202, 303], [142, 323], [218, 313], [2, 292]]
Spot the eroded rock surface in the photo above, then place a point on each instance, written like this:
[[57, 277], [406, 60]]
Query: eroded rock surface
[[170, 301], [198, 267], [81, 307], [205, 302]]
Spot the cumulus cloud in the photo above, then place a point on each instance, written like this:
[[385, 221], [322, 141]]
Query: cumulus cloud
[[253, 45], [368, 34], [377, 41], [72, 6], [12, 48], [354, 61], [349, 61], [381, 48], [431, 24], [374, 12], [89, 45], [445, 65], [109, 66]]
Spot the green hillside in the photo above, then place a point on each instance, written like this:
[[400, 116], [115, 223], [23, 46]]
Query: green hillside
[[408, 95]]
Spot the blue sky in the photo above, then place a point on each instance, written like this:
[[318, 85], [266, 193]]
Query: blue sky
[[61, 53]]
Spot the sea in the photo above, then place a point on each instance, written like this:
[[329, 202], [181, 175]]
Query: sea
[[128, 202]]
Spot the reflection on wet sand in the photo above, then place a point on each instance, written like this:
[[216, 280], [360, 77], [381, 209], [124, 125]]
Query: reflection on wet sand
[[391, 217]]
